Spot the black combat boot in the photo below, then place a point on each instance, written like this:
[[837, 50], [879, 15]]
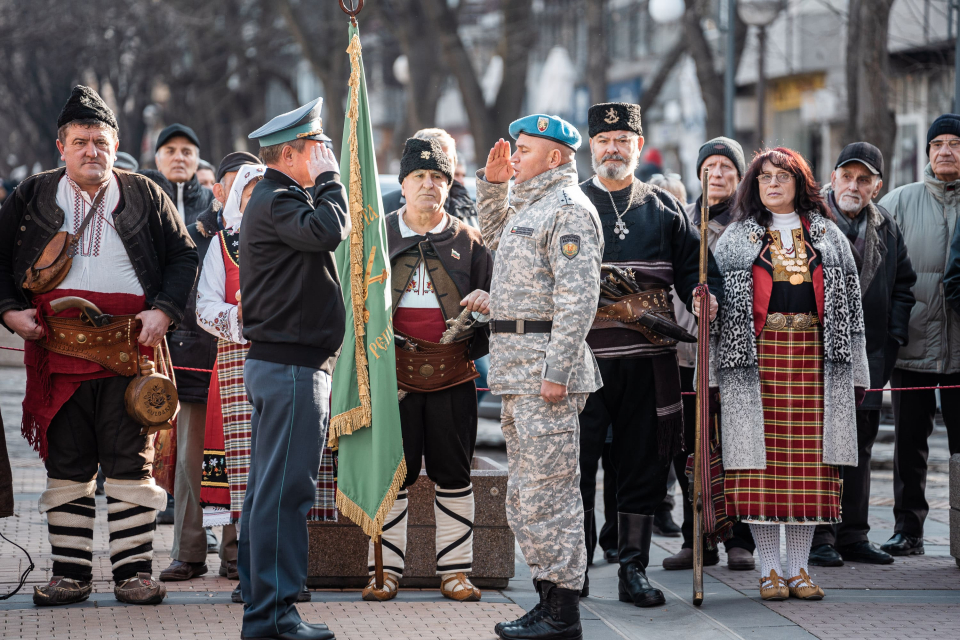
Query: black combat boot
[[635, 532], [558, 619], [522, 620]]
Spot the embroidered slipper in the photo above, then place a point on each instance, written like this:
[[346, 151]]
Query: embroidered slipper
[[457, 586], [388, 592]]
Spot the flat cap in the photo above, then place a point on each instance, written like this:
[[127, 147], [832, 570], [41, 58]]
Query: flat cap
[[302, 123], [174, 131], [614, 116], [550, 127], [86, 104], [424, 154], [233, 162], [864, 153], [126, 162]]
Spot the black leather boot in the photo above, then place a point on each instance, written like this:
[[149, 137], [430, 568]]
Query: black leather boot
[[522, 620], [635, 532], [558, 619]]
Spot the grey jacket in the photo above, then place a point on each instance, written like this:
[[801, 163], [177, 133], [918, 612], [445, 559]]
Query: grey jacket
[[548, 243], [733, 346], [927, 213]]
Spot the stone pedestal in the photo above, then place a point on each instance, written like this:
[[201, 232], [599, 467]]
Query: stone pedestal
[[338, 551], [955, 507]]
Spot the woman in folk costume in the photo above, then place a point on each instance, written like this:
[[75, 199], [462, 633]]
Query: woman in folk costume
[[789, 353], [226, 450]]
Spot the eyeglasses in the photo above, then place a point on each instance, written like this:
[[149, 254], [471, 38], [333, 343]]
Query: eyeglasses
[[782, 178], [936, 145]]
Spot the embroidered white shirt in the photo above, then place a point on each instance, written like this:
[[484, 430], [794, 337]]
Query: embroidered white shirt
[[419, 293], [101, 262], [214, 313]]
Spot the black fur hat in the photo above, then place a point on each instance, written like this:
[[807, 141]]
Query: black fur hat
[[614, 116], [424, 154], [85, 104]]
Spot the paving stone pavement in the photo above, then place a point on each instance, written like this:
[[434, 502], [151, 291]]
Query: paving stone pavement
[[915, 598]]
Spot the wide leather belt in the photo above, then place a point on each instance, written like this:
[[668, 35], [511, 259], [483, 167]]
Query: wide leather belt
[[790, 321], [113, 346], [521, 326], [625, 312], [433, 366]]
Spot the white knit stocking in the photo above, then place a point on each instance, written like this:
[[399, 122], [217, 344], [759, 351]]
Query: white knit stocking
[[394, 539], [767, 538], [799, 540]]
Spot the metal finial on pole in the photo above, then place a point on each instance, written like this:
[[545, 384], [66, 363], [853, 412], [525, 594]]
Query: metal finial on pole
[[353, 10]]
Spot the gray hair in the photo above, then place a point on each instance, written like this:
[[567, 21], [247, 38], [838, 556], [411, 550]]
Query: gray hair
[[671, 183], [445, 139], [271, 154]]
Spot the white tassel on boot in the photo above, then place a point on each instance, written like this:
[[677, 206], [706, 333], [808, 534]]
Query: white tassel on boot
[[454, 511]]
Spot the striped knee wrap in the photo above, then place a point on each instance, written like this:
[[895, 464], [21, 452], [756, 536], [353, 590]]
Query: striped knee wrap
[[394, 539], [71, 510], [132, 507], [454, 511]]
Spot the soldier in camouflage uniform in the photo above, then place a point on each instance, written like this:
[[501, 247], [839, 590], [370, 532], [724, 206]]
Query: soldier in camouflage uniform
[[544, 295]]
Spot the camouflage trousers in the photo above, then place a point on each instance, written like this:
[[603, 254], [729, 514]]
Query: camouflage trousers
[[544, 507]]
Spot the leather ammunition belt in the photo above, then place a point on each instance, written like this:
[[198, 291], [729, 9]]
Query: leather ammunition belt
[[433, 366], [624, 314], [521, 326], [112, 346], [791, 321]]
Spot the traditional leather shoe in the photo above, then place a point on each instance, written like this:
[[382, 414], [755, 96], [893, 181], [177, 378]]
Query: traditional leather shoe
[[804, 588], [62, 590], [903, 545], [663, 525], [775, 589], [865, 552], [522, 620], [236, 596], [612, 556], [739, 559], [140, 589], [213, 545], [634, 540], [457, 586], [179, 571], [302, 631], [679, 561], [558, 619], [824, 555], [387, 592], [228, 570]]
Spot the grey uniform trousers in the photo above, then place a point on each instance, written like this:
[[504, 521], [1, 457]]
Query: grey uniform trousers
[[288, 429], [544, 507]]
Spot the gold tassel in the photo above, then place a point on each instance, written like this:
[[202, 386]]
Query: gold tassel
[[373, 527], [346, 423]]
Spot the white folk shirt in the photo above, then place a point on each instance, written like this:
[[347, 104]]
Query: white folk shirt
[[214, 314], [419, 293], [101, 263]]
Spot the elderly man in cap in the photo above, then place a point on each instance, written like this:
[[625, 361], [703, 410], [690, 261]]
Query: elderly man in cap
[[177, 157], [191, 540], [649, 237], [439, 268], [886, 283], [135, 264], [545, 287], [926, 213], [723, 158], [294, 317]]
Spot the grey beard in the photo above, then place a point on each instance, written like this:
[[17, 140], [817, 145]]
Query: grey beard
[[848, 207], [609, 171]]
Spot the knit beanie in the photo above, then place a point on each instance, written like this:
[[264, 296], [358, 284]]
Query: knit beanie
[[722, 146], [947, 123], [424, 154]]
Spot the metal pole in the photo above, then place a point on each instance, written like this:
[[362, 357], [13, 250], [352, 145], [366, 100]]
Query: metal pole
[[761, 82], [729, 78]]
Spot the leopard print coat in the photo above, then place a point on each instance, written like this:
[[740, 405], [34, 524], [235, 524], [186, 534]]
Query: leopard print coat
[[733, 346]]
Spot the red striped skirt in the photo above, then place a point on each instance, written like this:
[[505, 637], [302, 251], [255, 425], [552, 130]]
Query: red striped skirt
[[796, 486]]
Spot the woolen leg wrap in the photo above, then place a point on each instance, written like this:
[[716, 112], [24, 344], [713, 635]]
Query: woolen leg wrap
[[454, 510], [70, 509], [394, 539], [132, 507]]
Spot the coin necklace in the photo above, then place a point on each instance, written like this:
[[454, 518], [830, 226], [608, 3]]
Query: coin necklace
[[797, 266], [621, 228]]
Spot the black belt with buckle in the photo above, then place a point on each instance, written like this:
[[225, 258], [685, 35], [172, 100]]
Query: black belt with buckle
[[521, 326]]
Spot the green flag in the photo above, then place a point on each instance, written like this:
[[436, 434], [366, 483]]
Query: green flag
[[366, 413]]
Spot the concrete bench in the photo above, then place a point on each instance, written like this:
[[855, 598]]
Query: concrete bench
[[338, 551]]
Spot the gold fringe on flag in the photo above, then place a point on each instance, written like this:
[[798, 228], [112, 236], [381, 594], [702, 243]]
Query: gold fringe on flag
[[362, 416], [373, 527]]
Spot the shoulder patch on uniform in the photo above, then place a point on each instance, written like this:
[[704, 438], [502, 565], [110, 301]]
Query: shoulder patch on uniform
[[567, 198], [570, 246]]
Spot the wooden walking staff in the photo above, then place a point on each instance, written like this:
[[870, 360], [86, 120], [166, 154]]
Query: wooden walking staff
[[352, 10], [701, 450]]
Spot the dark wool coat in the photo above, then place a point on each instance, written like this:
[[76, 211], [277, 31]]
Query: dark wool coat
[[733, 345]]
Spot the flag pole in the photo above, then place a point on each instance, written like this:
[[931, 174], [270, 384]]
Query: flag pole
[[701, 442]]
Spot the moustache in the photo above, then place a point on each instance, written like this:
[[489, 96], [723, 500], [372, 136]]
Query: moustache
[[613, 157]]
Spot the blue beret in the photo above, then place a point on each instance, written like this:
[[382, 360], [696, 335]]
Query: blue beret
[[550, 127], [300, 123]]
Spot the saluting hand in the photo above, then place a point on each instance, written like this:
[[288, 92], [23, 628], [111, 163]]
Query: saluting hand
[[499, 168], [322, 160]]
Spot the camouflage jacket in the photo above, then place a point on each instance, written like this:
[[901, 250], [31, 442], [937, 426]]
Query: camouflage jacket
[[548, 243]]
